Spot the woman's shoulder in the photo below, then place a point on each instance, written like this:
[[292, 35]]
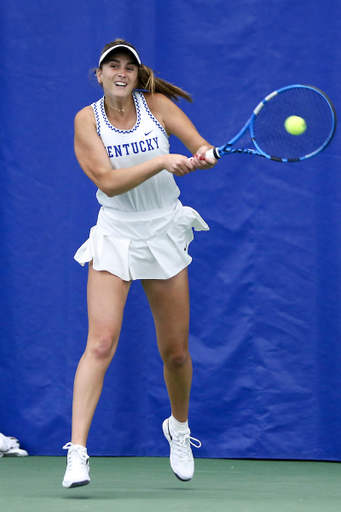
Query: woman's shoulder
[[160, 105], [85, 113], [85, 117], [156, 99]]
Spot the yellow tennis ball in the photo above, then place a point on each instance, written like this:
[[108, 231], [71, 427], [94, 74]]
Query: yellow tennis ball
[[295, 125]]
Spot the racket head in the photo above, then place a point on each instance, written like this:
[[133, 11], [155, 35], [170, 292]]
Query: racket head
[[267, 123]]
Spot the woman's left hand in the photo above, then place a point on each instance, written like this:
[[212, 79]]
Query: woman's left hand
[[200, 161]]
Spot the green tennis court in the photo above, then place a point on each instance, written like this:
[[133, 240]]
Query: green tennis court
[[137, 484]]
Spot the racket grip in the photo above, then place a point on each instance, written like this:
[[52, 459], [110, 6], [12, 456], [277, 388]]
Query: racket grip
[[212, 153]]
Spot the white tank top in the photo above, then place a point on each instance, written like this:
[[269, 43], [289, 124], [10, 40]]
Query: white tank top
[[126, 148]]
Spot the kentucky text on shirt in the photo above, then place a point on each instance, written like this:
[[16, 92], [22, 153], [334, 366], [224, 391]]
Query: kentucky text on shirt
[[133, 147]]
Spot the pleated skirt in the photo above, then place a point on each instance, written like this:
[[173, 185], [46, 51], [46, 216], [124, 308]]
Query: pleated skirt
[[142, 245]]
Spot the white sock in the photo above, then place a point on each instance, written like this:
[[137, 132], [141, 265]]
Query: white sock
[[178, 426]]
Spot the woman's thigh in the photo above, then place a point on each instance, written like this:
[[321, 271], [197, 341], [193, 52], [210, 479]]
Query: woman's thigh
[[107, 296], [169, 303]]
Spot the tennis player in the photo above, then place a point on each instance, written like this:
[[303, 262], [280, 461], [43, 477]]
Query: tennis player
[[143, 232]]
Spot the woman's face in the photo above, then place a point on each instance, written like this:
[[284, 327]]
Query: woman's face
[[118, 75]]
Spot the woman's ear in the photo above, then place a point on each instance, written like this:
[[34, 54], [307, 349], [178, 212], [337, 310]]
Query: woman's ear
[[99, 75]]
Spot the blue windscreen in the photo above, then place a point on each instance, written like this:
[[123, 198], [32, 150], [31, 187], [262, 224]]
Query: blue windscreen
[[265, 280]]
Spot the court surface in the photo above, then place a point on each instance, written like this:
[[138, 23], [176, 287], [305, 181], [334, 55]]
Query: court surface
[[138, 484]]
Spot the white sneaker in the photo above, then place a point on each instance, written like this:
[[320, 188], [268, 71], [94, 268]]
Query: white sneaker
[[77, 468], [15, 452], [10, 447], [181, 457]]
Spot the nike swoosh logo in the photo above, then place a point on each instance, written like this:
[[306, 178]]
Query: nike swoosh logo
[[148, 133]]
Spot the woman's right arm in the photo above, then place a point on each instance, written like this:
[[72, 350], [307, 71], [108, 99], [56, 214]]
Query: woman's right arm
[[93, 159]]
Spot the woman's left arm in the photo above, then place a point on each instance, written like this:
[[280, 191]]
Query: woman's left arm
[[175, 122]]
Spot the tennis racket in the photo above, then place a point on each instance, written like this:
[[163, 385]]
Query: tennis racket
[[269, 135]]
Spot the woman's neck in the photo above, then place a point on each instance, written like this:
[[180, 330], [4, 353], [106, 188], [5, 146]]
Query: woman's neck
[[118, 106]]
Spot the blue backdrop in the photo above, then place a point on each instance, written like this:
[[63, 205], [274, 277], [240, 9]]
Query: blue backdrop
[[265, 281]]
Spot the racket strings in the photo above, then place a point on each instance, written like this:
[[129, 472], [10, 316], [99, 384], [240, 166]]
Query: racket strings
[[268, 129]]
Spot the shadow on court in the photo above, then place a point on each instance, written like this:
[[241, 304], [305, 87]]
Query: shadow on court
[[138, 484]]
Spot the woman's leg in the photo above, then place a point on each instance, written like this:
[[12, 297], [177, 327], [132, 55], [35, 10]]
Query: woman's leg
[[107, 296], [169, 302]]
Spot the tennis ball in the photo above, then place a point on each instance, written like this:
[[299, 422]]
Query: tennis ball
[[295, 125]]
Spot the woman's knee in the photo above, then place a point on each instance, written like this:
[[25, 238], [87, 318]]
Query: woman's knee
[[176, 358], [102, 347]]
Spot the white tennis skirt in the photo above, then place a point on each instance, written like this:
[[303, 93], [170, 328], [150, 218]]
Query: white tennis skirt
[[142, 245]]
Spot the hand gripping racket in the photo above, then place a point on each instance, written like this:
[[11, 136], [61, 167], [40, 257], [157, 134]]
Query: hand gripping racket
[[267, 126]]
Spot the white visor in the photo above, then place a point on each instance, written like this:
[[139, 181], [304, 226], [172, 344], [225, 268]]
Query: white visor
[[114, 48]]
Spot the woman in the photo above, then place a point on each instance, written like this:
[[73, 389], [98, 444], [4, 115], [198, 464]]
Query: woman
[[142, 232]]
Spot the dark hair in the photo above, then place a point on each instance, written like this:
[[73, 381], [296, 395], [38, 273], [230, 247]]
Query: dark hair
[[146, 79]]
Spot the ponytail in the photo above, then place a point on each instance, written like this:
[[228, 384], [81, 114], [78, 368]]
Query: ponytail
[[148, 81]]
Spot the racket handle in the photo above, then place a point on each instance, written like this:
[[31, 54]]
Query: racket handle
[[212, 153]]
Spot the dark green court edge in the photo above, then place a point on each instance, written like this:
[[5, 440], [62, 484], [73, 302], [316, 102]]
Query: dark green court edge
[[143, 484]]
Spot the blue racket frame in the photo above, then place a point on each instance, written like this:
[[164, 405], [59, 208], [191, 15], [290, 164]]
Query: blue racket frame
[[227, 148]]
